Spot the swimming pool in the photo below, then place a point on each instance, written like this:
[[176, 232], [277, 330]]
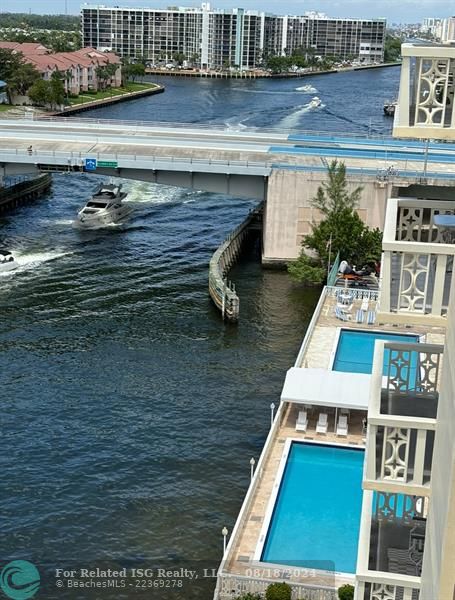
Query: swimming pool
[[355, 349], [316, 518]]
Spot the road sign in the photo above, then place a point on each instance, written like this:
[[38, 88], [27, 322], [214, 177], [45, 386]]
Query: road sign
[[108, 163], [90, 164]]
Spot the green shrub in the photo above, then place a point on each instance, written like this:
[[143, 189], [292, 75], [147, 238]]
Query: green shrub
[[249, 596], [346, 592], [278, 591]]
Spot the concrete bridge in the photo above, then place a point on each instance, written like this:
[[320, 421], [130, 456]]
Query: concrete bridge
[[283, 168]]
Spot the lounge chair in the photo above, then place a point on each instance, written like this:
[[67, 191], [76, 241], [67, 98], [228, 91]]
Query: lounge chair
[[321, 425], [302, 421], [371, 317], [341, 314], [365, 304], [360, 316], [342, 427]]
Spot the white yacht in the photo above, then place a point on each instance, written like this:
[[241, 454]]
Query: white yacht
[[104, 208], [7, 262], [315, 102]]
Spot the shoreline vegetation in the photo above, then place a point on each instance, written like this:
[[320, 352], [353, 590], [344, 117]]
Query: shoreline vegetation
[[260, 73]]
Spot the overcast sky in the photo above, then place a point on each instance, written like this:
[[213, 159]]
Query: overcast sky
[[403, 11]]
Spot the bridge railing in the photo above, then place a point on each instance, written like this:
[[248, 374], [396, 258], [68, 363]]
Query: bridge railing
[[222, 127], [75, 160]]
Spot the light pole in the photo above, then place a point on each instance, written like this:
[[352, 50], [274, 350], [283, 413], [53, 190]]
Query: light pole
[[252, 463], [272, 409], [224, 533]]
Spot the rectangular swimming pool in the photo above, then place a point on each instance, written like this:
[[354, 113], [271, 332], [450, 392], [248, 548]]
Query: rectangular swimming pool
[[316, 518], [355, 349]]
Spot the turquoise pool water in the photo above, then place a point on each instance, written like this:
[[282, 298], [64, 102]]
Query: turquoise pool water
[[356, 348], [316, 519]]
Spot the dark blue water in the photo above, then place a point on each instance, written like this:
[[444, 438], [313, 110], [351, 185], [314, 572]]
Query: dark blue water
[[351, 102], [129, 410]]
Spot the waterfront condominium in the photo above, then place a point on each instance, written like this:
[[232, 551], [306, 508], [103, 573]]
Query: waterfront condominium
[[356, 481], [215, 39]]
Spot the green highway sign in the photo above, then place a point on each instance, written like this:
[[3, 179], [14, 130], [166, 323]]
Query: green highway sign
[[108, 163]]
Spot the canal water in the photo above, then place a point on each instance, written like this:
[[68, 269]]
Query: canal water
[[129, 410]]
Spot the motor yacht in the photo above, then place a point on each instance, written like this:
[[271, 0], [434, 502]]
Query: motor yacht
[[7, 262], [104, 208], [315, 102]]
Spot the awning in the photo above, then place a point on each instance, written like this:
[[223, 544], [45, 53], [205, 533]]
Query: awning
[[320, 387]]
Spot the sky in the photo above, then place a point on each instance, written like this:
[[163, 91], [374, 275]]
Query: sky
[[395, 11]]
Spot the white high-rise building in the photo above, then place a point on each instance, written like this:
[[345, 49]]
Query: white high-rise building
[[237, 37]]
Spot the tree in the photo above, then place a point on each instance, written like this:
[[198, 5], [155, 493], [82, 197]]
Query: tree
[[56, 92], [342, 230], [39, 92], [392, 48], [136, 70], [23, 78], [334, 196]]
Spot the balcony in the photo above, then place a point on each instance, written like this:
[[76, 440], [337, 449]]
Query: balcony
[[418, 254], [402, 418], [426, 99]]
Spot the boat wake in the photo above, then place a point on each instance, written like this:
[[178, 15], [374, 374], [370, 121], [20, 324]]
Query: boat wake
[[150, 193], [292, 120], [308, 89], [25, 260]]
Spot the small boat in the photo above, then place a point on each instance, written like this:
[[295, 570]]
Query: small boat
[[104, 208], [389, 108], [7, 262], [315, 102]]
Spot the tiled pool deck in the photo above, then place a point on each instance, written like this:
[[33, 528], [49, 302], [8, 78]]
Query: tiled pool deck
[[317, 355], [321, 343], [241, 556]]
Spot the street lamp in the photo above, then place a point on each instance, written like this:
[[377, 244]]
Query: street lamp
[[272, 409], [224, 533], [252, 463]]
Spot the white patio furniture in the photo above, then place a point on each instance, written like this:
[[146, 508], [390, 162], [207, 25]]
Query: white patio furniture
[[322, 424], [342, 428], [302, 421]]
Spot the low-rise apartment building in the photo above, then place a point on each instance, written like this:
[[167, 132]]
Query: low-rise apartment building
[[79, 68]]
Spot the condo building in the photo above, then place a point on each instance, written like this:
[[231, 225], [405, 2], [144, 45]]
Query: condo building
[[214, 39], [356, 481]]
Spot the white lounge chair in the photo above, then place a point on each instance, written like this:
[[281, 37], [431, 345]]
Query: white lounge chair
[[321, 425], [302, 421], [365, 304], [342, 427]]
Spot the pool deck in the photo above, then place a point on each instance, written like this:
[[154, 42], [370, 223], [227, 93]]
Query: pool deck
[[317, 352], [322, 341], [241, 555]]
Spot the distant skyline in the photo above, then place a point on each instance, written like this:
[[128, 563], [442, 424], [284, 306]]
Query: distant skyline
[[403, 11]]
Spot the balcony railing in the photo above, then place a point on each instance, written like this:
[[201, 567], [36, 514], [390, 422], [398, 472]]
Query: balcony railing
[[417, 258], [387, 587], [402, 417]]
